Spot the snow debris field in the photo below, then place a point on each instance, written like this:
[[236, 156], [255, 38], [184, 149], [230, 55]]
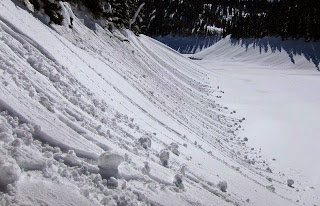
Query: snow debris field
[[89, 117]]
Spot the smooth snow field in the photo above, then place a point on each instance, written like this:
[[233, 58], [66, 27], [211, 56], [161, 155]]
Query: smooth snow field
[[89, 117]]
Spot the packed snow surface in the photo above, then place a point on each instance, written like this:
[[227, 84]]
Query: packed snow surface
[[93, 118]]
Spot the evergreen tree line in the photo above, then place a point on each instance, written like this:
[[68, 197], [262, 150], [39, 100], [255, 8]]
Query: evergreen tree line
[[117, 13], [240, 18]]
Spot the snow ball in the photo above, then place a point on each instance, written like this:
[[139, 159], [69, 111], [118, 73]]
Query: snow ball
[[290, 182], [9, 171], [112, 183], [164, 157], [222, 185], [145, 142], [245, 139], [108, 163]]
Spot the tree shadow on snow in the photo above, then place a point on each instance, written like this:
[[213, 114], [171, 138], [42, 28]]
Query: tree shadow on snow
[[310, 50]]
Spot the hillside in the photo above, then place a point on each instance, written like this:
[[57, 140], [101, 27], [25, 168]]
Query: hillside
[[90, 117], [268, 51]]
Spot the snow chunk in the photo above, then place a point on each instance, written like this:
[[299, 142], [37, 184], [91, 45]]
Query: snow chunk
[[178, 181], [290, 182], [174, 145], [271, 188], [108, 164], [145, 142], [174, 148], [6, 137], [222, 185], [9, 171], [127, 172], [175, 151], [164, 157], [28, 158], [112, 183]]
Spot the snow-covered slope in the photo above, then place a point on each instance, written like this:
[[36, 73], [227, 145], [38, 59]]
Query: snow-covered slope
[[279, 100], [88, 118], [268, 51]]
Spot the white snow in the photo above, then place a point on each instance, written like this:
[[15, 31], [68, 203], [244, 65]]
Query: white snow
[[9, 171], [108, 164], [90, 118], [223, 186], [278, 96]]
